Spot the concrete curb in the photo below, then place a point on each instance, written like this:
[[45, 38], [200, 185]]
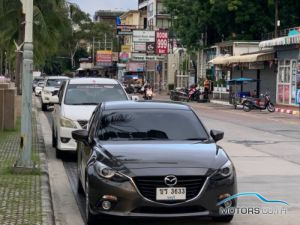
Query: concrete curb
[[287, 111], [47, 206]]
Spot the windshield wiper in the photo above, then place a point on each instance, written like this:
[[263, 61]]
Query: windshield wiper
[[196, 139]]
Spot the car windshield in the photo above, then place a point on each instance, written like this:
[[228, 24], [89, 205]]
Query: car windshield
[[93, 94], [54, 82], [151, 124]]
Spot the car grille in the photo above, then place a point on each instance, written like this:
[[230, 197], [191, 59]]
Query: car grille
[[147, 186], [83, 123]]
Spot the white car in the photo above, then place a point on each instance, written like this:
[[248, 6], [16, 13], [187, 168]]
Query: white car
[[52, 85], [78, 98], [38, 88]]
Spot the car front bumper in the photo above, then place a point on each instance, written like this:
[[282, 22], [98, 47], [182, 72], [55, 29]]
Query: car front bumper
[[131, 203], [65, 142]]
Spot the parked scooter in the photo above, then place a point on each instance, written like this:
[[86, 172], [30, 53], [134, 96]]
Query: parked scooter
[[258, 103], [185, 94]]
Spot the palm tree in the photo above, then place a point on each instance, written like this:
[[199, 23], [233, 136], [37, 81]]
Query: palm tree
[[50, 25]]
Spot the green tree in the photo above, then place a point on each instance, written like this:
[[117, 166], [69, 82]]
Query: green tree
[[228, 19]]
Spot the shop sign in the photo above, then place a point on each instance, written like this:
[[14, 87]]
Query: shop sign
[[135, 67], [124, 56], [143, 36], [144, 57], [162, 42], [139, 47], [115, 56], [125, 29], [126, 48], [104, 58], [150, 48]]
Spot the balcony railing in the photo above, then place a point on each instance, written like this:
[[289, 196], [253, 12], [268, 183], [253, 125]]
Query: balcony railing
[[280, 33]]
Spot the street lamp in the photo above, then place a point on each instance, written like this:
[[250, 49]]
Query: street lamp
[[26, 117]]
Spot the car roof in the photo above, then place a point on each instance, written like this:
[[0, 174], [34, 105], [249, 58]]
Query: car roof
[[116, 105], [91, 80], [57, 77]]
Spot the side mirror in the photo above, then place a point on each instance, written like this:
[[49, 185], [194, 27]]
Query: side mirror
[[135, 98], [80, 136], [217, 135]]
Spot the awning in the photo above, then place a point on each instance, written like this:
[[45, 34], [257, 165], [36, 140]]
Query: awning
[[287, 40], [258, 57]]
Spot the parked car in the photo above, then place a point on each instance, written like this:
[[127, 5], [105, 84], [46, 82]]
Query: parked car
[[39, 87], [152, 159], [36, 81], [52, 85], [77, 100]]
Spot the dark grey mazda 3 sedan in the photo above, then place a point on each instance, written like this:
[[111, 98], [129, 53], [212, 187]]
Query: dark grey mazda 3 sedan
[[152, 159]]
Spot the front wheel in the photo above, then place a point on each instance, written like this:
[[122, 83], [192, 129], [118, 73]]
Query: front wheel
[[271, 107], [247, 107], [44, 107]]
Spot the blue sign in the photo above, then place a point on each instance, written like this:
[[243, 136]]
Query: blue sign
[[118, 21], [293, 32], [298, 96]]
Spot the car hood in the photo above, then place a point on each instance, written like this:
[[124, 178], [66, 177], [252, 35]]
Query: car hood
[[51, 89], [78, 112], [160, 158]]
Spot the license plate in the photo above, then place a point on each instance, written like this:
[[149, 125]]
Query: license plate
[[178, 193]]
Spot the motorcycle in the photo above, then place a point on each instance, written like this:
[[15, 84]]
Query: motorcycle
[[258, 103], [185, 94], [148, 94]]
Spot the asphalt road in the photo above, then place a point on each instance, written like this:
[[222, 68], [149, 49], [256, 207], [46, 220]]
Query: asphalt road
[[265, 148]]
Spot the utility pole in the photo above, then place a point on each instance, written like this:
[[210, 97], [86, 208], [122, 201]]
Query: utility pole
[[26, 117], [276, 19]]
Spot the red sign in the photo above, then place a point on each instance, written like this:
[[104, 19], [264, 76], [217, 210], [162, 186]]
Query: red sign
[[104, 58], [162, 44]]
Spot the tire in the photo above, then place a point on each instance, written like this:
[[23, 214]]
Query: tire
[[223, 219], [54, 140], [247, 106], [58, 154], [271, 107], [44, 107]]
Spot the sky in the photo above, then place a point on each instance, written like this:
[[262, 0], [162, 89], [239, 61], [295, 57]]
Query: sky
[[90, 6]]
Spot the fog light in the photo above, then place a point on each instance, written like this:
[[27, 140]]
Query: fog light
[[106, 205], [227, 203], [65, 140]]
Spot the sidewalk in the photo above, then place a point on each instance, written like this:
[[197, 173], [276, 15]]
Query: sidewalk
[[279, 108], [24, 197]]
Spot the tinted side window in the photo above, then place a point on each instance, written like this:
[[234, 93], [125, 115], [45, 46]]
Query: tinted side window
[[93, 122]]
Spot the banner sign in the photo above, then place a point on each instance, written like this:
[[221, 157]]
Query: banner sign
[[125, 29], [143, 36], [150, 48], [115, 56], [135, 67], [139, 47], [162, 45], [104, 58], [144, 57], [126, 48], [124, 56]]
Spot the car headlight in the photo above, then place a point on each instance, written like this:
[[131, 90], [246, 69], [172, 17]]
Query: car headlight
[[108, 173], [65, 122], [225, 171]]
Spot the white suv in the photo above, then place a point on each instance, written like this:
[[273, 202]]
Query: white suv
[[77, 99], [52, 85]]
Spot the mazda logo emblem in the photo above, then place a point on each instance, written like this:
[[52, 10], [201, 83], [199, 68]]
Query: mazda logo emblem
[[170, 180]]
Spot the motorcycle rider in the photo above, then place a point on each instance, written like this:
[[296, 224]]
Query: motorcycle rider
[[148, 90], [206, 85]]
